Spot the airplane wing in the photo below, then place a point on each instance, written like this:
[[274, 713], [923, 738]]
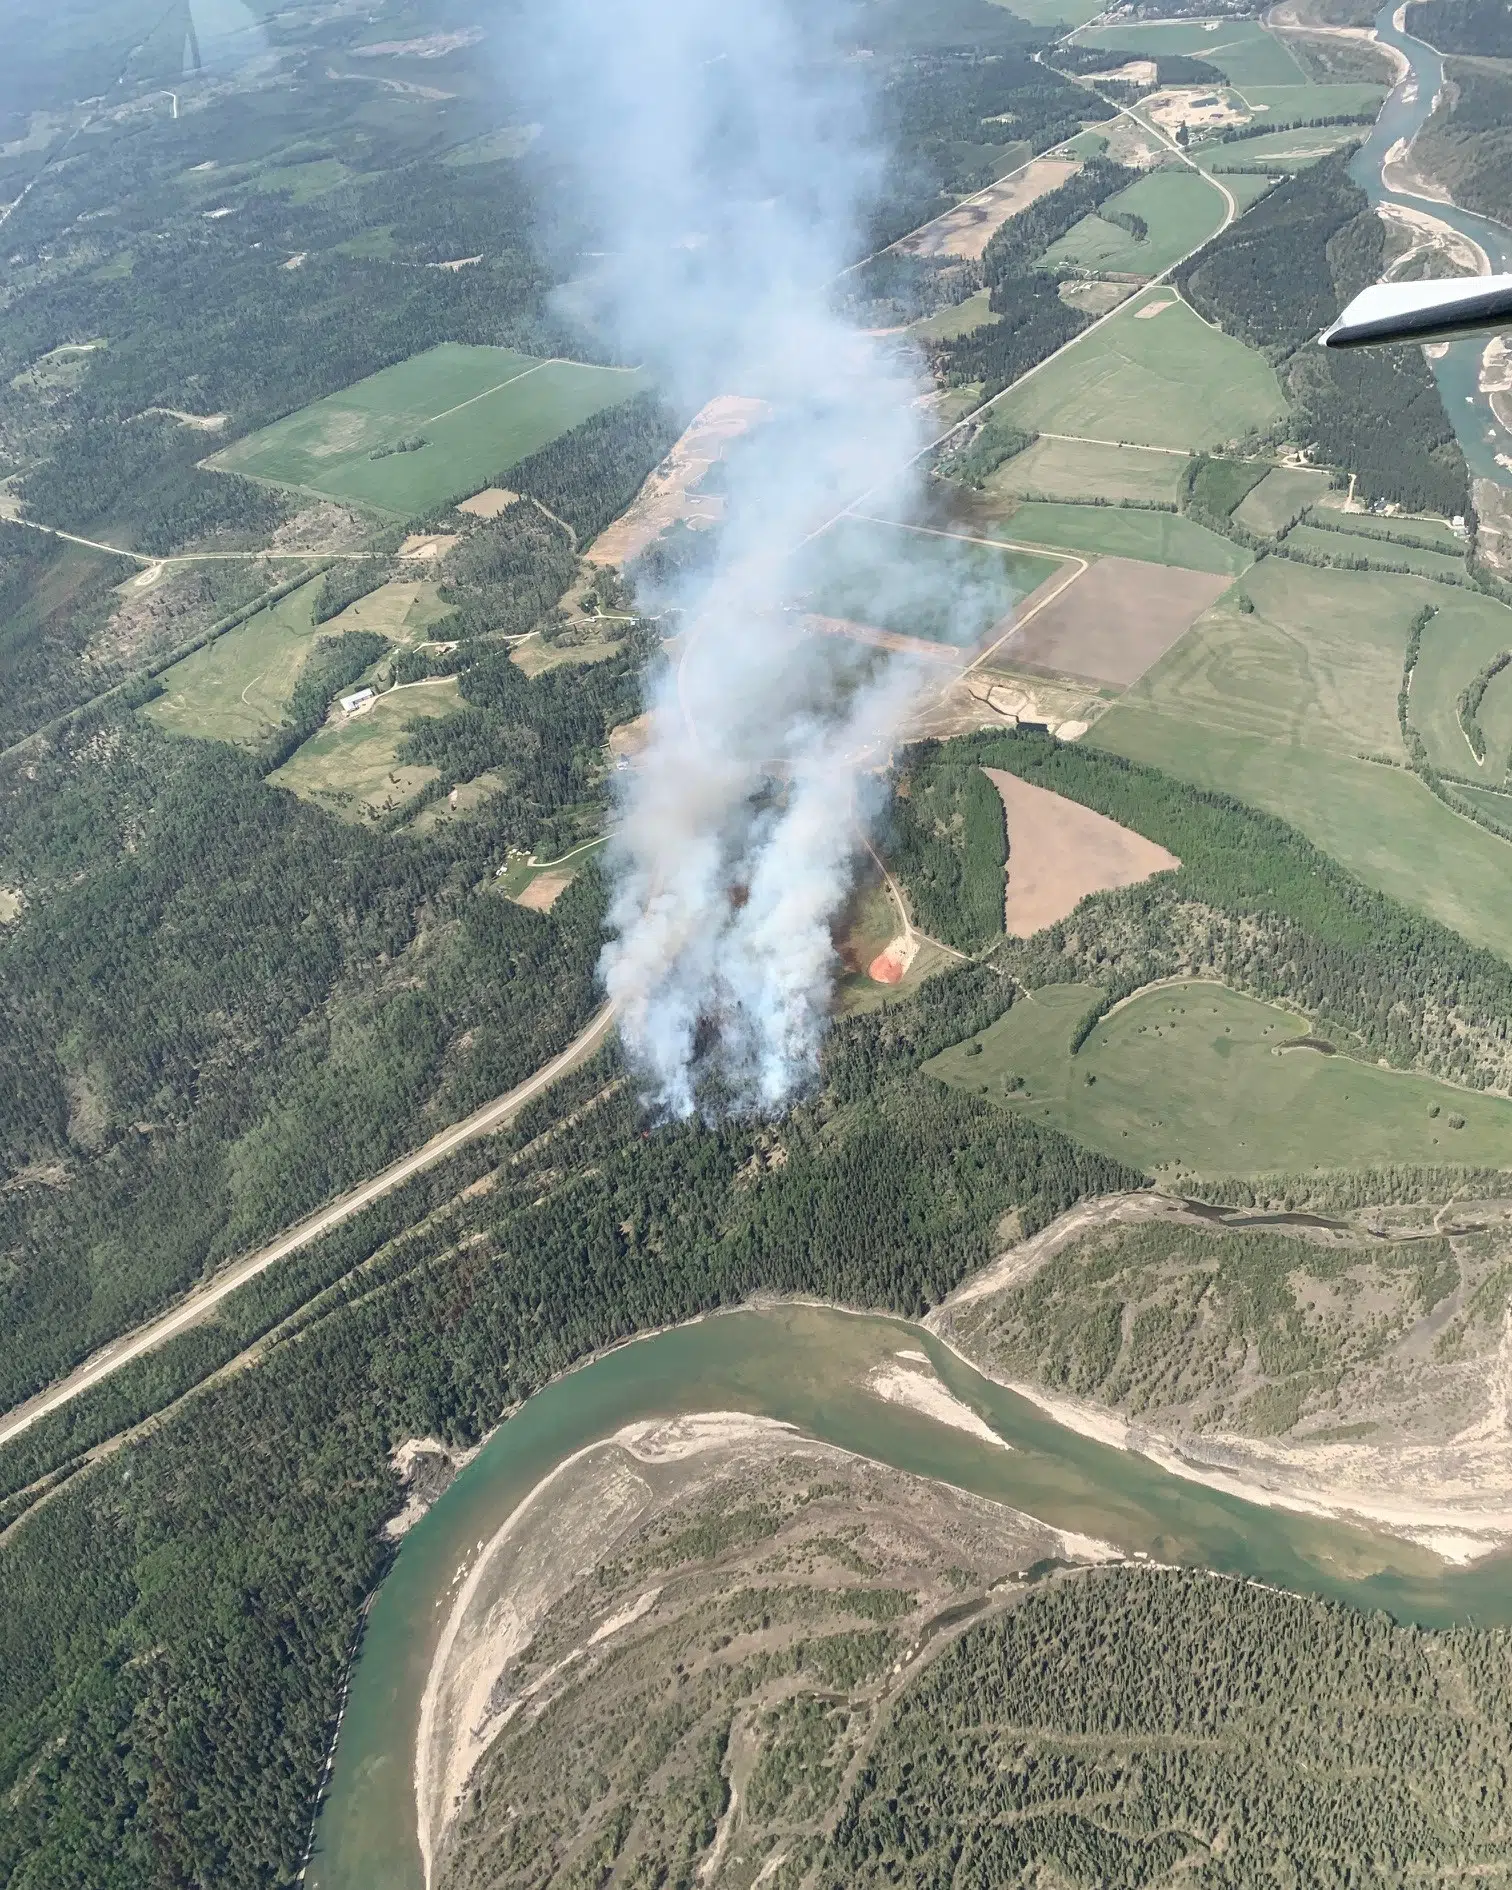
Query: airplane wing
[[1423, 311]]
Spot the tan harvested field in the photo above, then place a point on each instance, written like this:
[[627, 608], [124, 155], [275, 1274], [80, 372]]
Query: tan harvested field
[[966, 230], [544, 891], [665, 497], [1060, 851], [427, 547], [488, 503], [1117, 619], [883, 639]]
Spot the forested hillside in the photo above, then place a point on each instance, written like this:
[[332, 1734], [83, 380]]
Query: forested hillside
[[1276, 279], [1467, 144]]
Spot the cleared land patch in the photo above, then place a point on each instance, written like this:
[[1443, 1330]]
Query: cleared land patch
[[1300, 104], [1288, 150], [669, 493], [1179, 208], [966, 230], [1127, 532], [1193, 1077], [474, 411], [1060, 851], [351, 767], [1173, 382], [1279, 497], [1077, 469], [956, 318], [237, 688], [1117, 619]]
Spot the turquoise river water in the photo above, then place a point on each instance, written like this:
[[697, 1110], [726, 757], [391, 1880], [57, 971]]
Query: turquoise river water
[[808, 1366]]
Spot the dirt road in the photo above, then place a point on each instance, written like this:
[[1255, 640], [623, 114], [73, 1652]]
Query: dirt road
[[202, 1299]]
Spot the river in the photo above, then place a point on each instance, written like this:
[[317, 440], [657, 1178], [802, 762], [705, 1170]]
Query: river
[[809, 1367], [1458, 370]]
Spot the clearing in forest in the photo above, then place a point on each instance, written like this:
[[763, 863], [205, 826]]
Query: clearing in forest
[[966, 230], [416, 436], [1117, 619], [1174, 382], [1060, 851], [1179, 210], [1193, 1077], [352, 768], [238, 688], [671, 491]]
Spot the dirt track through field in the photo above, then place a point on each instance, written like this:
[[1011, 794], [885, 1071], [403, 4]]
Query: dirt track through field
[[202, 1299], [1059, 851]]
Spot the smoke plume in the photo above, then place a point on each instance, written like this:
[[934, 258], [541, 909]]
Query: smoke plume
[[726, 153]]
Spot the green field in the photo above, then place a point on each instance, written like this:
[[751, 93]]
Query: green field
[[915, 583], [959, 318], [1340, 545], [1318, 661], [1498, 806], [1278, 498], [1113, 531], [1167, 380], [1193, 1078], [1292, 150], [1242, 50], [352, 769], [1380, 822], [237, 688], [478, 410], [1248, 190], [1054, 12], [1468, 632], [1181, 209], [1296, 104], [1070, 469], [1431, 533]]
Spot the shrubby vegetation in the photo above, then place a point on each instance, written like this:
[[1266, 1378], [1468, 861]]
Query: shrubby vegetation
[[346, 581]]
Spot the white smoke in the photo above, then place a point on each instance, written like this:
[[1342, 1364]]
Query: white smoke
[[726, 154]]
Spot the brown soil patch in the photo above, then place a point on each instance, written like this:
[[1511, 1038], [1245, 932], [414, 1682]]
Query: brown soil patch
[[665, 497], [431, 546], [488, 503], [1059, 851], [883, 639], [966, 230], [892, 965], [544, 891], [1170, 110], [630, 739], [1113, 622], [1136, 72]]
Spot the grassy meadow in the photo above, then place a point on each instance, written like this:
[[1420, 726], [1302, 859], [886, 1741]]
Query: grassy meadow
[[1077, 469], [352, 768], [1468, 633], [1242, 50], [1279, 497], [1319, 543], [1112, 531], [1195, 1078], [237, 688], [1164, 380], [477, 411], [1180, 207]]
